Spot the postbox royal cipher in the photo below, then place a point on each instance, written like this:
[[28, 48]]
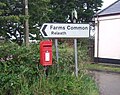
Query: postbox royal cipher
[[46, 53]]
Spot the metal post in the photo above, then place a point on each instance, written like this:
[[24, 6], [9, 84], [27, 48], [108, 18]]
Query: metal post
[[26, 24], [97, 38], [46, 71], [57, 53], [74, 18], [76, 57], [56, 47]]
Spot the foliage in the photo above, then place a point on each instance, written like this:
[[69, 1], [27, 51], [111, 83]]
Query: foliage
[[38, 15], [62, 8], [21, 74], [12, 17], [18, 68]]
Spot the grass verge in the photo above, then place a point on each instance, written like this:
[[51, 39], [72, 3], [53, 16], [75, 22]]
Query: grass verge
[[102, 67]]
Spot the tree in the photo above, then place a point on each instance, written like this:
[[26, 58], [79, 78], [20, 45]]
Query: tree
[[38, 15], [2, 11], [13, 18], [11, 25], [62, 8]]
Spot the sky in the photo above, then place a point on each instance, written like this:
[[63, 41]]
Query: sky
[[106, 3]]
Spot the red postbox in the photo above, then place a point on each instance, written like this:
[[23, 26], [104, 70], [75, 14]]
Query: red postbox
[[46, 53]]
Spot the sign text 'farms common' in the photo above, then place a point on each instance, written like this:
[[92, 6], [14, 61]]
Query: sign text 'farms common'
[[59, 30]]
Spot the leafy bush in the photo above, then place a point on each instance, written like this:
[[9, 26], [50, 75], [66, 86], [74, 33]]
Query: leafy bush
[[21, 74], [18, 64]]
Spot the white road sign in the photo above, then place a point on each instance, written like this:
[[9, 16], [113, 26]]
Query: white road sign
[[65, 30]]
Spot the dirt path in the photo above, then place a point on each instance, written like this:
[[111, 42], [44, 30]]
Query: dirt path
[[109, 83]]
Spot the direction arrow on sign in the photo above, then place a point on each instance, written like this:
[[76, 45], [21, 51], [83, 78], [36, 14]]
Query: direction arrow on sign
[[65, 30]]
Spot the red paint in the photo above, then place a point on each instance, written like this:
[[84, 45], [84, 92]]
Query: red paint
[[46, 53]]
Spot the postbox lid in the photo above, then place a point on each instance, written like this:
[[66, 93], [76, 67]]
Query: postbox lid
[[44, 43]]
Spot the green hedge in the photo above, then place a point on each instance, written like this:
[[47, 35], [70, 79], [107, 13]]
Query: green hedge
[[21, 74]]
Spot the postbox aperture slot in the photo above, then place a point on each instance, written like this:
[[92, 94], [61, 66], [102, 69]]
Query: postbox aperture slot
[[47, 46]]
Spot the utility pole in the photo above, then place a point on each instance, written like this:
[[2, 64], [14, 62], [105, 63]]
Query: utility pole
[[26, 23]]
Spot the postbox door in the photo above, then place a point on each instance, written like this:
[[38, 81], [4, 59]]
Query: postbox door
[[46, 53]]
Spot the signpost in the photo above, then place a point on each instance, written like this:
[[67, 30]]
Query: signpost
[[65, 30]]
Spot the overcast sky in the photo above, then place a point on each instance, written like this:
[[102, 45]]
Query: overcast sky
[[106, 3]]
